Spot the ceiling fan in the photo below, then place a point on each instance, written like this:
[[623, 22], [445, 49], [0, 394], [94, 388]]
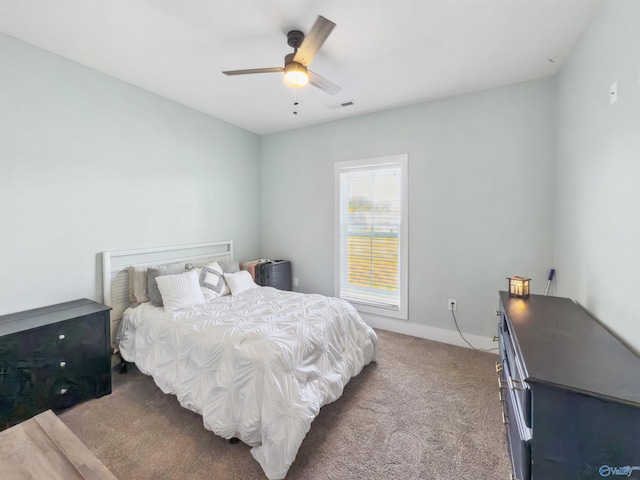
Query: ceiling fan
[[296, 72]]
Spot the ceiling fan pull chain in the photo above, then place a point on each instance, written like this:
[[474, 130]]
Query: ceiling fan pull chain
[[295, 101]]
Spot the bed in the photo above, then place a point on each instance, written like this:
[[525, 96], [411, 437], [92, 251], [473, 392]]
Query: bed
[[257, 364]]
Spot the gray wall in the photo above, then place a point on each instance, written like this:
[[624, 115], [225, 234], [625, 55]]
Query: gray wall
[[89, 163], [480, 198], [597, 247]]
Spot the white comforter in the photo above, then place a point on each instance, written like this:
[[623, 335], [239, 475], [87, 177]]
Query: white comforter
[[257, 366]]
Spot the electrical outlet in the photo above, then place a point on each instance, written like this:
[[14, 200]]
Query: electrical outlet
[[452, 305], [295, 281]]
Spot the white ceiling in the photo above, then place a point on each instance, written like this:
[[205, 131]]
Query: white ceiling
[[383, 53]]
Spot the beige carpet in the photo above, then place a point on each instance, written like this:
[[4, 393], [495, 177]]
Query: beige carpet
[[425, 411]]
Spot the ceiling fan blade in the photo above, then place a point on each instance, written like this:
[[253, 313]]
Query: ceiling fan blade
[[323, 84], [254, 70], [314, 40]]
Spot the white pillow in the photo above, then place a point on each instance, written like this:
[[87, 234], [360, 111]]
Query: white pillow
[[239, 281], [212, 282], [180, 290], [211, 279], [216, 266]]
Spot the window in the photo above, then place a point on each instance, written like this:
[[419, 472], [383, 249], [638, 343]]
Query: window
[[371, 234]]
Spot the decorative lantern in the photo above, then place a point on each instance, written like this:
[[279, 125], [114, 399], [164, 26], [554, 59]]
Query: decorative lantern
[[519, 286]]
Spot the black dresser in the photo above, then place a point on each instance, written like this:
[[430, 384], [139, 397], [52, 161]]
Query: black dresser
[[52, 358], [570, 393]]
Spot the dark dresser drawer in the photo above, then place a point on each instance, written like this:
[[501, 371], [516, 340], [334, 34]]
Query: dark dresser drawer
[[518, 435], [53, 357], [515, 381]]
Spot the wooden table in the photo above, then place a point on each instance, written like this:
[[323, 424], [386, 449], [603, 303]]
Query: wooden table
[[43, 447]]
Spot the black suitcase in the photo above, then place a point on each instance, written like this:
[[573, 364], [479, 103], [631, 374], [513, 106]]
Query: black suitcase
[[276, 274]]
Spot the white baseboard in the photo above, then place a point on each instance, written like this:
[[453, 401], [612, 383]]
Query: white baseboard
[[452, 337]]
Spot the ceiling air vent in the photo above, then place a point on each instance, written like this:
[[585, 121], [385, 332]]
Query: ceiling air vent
[[340, 105]]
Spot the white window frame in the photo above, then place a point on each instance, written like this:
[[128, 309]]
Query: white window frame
[[403, 261]]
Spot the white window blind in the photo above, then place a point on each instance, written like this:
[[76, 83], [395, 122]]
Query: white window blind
[[372, 231]]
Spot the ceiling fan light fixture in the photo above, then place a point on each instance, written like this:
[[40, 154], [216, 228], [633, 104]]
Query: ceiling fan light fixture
[[296, 75]]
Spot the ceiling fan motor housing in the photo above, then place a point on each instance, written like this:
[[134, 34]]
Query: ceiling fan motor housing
[[288, 58]]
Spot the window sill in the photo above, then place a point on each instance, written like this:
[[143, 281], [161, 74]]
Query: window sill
[[379, 311]]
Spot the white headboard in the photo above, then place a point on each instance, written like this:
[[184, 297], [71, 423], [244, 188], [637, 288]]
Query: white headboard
[[115, 268]]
